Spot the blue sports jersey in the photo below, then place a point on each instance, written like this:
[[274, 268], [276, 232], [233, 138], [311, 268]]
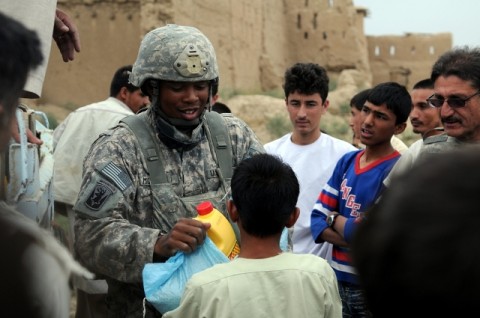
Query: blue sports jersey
[[350, 191]]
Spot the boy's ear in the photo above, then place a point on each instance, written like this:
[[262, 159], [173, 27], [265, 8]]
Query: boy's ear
[[232, 210], [325, 106], [293, 217], [400, 128]]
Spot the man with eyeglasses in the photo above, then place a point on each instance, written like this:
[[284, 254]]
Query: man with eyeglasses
[[456, 78]]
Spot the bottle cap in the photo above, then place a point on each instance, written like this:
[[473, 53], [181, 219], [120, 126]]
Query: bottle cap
[[204, 208]]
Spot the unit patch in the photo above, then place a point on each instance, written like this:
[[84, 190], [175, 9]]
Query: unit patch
[[99, 195]]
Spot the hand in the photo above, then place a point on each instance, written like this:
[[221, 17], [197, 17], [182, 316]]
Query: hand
[[65, 34], [186, 235], [30, 136]]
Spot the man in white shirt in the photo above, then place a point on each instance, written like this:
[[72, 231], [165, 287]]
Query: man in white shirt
[[311, 153], [72, 140]]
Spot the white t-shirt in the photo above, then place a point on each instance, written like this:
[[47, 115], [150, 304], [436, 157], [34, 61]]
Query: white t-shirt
[[313, 164]]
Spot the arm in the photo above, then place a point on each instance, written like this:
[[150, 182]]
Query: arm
[[328, 203], [334, 234], [114, 232], [321, 232]]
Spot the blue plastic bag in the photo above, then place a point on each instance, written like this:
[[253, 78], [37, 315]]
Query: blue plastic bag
[[164, 283]]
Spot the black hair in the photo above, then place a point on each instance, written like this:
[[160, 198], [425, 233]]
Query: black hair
[[265, 191], [426, 83], [463, 62], [395, 97], [358, 100], [306, 78], [120, 79], [220, 107], [424, 226], [20, 53]]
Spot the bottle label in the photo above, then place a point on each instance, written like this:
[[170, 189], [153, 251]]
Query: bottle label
[[234, 253]]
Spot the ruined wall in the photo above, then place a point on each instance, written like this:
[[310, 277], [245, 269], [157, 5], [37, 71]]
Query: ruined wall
[[110, 36], [255, 42], [405, 59]]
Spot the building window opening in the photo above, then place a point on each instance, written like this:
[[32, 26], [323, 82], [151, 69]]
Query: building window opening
[[392, 50]]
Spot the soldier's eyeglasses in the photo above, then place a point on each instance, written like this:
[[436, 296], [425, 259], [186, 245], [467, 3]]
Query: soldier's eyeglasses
[[454, 102]]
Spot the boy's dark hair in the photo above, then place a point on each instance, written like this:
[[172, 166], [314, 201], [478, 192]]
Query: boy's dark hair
[[265, 191], [20, 52], [424, 84], [395, 97], [463, 62], [120, 79], [358, 100], [306, 78], [401, 250], [221, 108]]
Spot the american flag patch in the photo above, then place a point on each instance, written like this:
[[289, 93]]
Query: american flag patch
[[117, 176]]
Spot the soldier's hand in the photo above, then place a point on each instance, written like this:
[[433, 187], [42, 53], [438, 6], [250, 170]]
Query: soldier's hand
[[186, 235]]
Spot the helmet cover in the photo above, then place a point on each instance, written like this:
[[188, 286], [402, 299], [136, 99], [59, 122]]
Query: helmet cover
[[175, 53]]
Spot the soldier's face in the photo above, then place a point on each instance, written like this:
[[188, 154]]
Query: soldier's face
[[183, 100]]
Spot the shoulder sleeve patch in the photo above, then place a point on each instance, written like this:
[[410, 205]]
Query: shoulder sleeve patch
[[116, 175], [99, 195]]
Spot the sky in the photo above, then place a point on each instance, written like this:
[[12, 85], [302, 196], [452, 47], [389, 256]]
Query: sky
[[397, 17]]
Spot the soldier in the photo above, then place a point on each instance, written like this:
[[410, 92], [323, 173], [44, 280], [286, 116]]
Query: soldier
[[138, 195]]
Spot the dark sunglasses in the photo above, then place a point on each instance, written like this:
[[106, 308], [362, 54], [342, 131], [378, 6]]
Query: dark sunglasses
[[454, 102]]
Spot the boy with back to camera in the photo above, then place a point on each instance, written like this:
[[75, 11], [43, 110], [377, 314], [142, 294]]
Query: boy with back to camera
[[263, 281], [356, 182]]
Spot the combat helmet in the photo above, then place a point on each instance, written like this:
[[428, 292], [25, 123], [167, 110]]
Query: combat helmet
[[174, 53]]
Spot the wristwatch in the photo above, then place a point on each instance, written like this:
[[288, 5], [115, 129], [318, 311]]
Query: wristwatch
[[331, 219]]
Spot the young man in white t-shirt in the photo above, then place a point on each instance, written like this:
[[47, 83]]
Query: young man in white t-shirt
[[311, 153]]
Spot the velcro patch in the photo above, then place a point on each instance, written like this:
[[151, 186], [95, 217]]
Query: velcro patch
[[116, 175], [99, 195]]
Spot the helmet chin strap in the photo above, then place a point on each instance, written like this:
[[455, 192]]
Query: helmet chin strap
[[210, 95]]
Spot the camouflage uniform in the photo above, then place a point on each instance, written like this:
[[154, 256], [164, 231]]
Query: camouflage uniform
[[120, 215]]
